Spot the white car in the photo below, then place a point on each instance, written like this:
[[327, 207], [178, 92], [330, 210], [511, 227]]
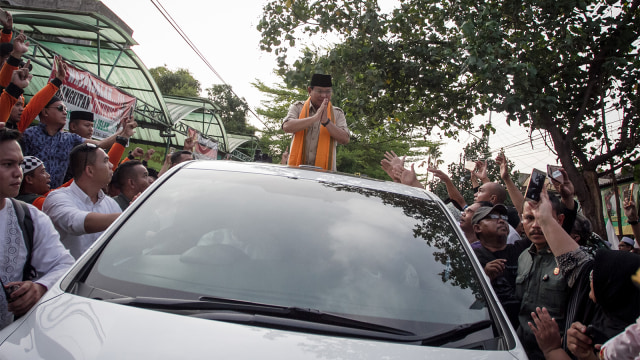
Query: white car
[[230, 260]]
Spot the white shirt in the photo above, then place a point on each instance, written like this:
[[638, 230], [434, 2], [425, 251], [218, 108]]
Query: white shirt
[[50, 259], [68, 207], [513, 235]]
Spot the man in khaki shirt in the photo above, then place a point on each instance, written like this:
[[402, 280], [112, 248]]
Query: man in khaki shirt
[[309, 126]]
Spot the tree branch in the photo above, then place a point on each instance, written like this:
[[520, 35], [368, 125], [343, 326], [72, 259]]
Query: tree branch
[[619, 166], [609, 46]]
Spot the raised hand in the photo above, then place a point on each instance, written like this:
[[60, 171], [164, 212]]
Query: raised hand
[[394, 159], [20, 45], [481, 170], [407, 176], [129, 127], [546, 331], [8, 23], [630, 210], [149, 153], [61, 69], [438, 173], [504, 165], [137, 152], [189, 143], [21, 77]]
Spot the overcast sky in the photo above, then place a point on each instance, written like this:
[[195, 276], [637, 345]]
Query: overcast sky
[[225, 33]]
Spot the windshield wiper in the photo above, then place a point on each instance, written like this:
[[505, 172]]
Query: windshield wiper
[[214, 303], [203, 304], [457, 333]]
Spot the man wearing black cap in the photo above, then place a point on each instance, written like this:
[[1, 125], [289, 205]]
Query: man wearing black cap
[[81, 123], [499, 259], [317, 126]]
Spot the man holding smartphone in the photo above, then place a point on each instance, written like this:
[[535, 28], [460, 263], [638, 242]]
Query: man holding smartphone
[[540, 282]]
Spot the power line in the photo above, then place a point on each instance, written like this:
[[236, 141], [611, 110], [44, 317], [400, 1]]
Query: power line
[[193, 47]]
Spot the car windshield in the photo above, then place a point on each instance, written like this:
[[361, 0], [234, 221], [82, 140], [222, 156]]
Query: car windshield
[[373, 256]]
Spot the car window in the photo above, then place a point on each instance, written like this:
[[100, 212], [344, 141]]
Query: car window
[[372, 255]]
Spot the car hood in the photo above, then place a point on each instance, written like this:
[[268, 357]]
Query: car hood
[[71, 327]]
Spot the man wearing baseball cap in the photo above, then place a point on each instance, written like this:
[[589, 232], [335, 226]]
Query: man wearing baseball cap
[[499, 259]]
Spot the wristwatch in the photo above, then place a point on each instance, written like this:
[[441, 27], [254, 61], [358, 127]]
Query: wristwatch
[[326, 123]]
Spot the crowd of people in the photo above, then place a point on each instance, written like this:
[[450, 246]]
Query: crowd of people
[[58, 188], [565, 299]]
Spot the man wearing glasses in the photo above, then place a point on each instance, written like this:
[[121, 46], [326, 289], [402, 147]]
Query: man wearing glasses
[[317, 126], [49, 143], [82, 211], [499, 259]]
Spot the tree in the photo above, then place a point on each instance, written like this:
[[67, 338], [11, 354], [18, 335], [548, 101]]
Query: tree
[[273, 140], [176, 83], [233, 110], [557, 66]]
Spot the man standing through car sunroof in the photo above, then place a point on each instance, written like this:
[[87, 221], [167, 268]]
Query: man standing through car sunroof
[[31, 256], [317, 125]]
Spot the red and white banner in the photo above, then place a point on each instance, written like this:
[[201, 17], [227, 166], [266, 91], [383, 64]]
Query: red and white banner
[[204, 148], [83, 91]]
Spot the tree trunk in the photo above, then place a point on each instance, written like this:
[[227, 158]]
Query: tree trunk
[[591, 203], [585, 183]]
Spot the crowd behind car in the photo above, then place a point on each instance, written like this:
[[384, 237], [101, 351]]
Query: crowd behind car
[[564, 290], [565, 295]]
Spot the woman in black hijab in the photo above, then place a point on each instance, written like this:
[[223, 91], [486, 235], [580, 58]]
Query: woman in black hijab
[[613, 291]]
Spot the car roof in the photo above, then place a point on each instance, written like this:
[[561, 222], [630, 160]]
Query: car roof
[[308, 173]]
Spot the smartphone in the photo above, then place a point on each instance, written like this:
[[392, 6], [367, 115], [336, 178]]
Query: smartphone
[[626, 194], [172, 150], [469, 165], [597, 336], [554, 172], [632, 188], [536, 183]]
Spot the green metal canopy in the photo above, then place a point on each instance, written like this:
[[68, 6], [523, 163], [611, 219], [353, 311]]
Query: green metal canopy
[[97, 42], [92, 42], [197, 113]]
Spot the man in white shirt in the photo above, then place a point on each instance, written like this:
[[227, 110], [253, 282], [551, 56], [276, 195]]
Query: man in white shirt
[[47, 257], [82, 211]]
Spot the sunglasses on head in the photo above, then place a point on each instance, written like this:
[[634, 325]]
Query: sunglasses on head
[[85, 148]]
